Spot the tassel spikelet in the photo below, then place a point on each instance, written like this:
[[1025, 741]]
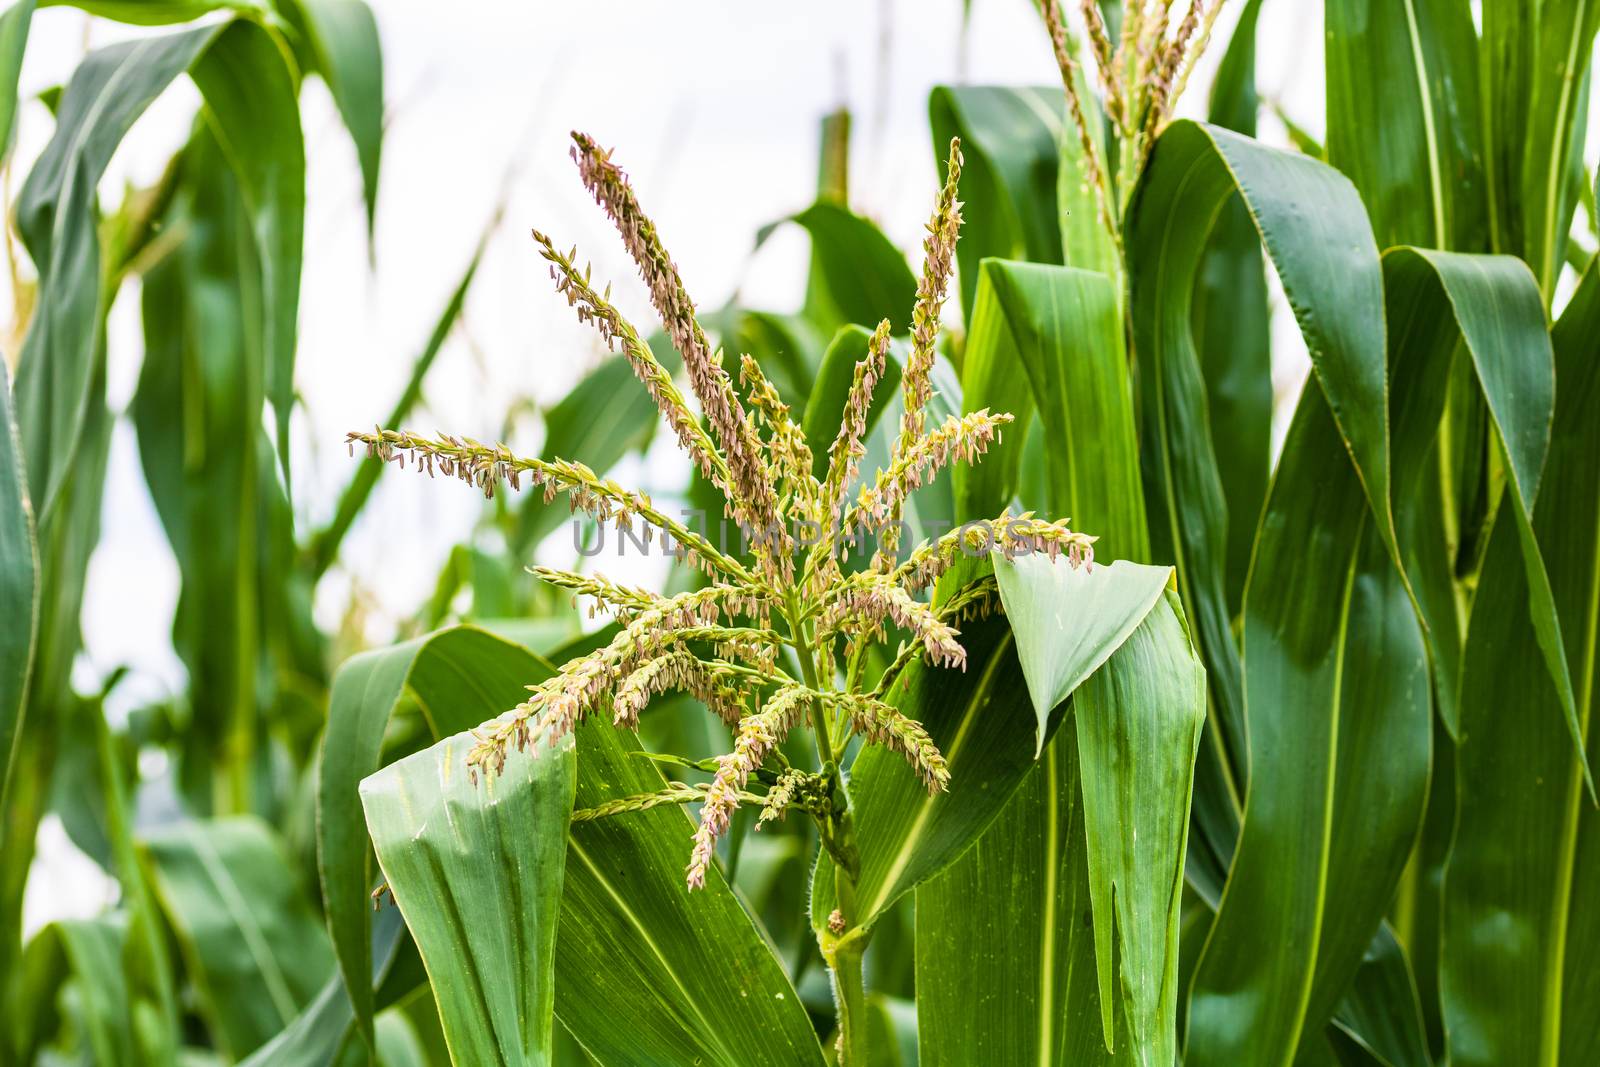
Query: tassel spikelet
[[1141, 81], [733, 643]]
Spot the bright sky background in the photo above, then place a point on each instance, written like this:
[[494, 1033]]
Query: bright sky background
[[713, 108]]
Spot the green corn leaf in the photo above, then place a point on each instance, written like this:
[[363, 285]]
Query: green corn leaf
[[1068, 621], [476, 868], [1010, 140], [1021, 984], [857, 273], [1332, 278], [461, 677], [984, 725], [1535, 67], [1336, 689], [1381, 1012], [159, 12], [1490, 306], [88, 954], [1412, 139], [1014, 981], [700, 978], [343, 36], [1139, 721], [324, 1027], [1231, 325], [250, 942], [1516, 971], [701, 981], [14, 25], [19, 589], [1043, 339], [250, 96], [824, 409]]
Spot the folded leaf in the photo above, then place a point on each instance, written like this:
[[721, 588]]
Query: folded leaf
[[476, 863], [1069, 620]]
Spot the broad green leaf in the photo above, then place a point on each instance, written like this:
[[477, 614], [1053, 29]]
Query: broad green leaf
[[1494, 306], [19, 589], [1013, 980], [251, 944], [1049, 339], [984, 725], [1019, 984], [349, 57], [199, 384], [159, 12], [251, 100], [14, 25], [1381, 1012], [699, 977], [56, 219], [1009, 138], [1231, 325], [250, 96], [87, 953], [1517, 974], [1331, 275], [1336, 690], [460, 677], [475, 864], [857, 274], [318, 1032], [1068, 620], [325, 545], [1139, 720], [700, 980], [824, 408], [1410, 138], [1535, 66]]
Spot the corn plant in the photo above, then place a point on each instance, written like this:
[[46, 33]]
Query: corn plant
[[1265, 755]]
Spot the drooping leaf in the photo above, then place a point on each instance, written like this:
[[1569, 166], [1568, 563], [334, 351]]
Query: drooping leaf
[[858, 275], [1489, 305], [1516, 978], [1329, 267], [1068, 620], [1336, 690], [251, 943], [349, 56], [476, 867], [249, 94]]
